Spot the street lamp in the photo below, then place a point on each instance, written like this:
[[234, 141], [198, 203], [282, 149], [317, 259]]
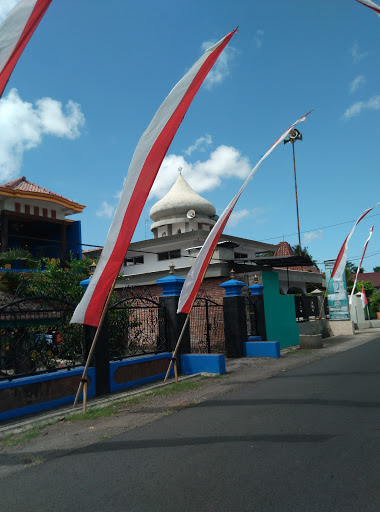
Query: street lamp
[[295, 135]]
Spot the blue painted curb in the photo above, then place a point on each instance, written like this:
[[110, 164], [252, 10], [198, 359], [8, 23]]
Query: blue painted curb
[[61, 374], [197, 363], [131, 361], [262, 349]]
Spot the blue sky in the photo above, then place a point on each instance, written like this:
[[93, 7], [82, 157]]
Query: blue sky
[[94, 73]]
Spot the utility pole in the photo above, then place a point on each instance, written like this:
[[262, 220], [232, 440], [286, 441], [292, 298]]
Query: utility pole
[[293, 136]]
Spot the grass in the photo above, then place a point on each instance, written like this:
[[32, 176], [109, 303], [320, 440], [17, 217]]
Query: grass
[[93, 413], [16, 439]]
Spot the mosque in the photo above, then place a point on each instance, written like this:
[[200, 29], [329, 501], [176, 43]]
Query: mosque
[[182, 220]]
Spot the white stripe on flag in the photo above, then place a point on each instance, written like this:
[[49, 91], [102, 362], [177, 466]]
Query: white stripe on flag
[[360, 264], [145, 164], [15, 32], [198, 270], [340, 263], [371, 5]]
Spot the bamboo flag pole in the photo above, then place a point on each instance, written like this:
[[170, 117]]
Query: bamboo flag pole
[[175, 352], [91, 352]]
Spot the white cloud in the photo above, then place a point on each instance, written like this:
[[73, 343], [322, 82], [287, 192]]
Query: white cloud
[[106, 210], [356, 83], [357, 108], [312, 235], [220, 70], [259, 38], [255, 213], [5, 8], [22, 126], [224, 162], [357, 56], [199, 144]]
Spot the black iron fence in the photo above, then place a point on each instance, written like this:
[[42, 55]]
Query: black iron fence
[[207, 327], [36, 337], [134, 326], [306, 307]]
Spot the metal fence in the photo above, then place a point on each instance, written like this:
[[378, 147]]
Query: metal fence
[[306, 307], [36, 337], [136, 326], [207, 327]]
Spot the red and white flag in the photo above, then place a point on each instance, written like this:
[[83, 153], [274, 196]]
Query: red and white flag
[[198, 270], [340, 263], [146, 161], [364, 298], [15, 32], [371, 5], [360, 264]]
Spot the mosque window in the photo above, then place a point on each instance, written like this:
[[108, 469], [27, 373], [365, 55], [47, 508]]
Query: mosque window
[[240, 255], [169, 255], [136, 260]]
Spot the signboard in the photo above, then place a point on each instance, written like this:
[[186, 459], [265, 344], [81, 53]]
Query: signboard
[[336, 294]]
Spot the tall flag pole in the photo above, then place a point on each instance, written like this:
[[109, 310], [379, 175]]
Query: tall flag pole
[[146, 161], [340, 263], [371, 5], [196, 274], [15, 32], [360, 264], [198, 270]]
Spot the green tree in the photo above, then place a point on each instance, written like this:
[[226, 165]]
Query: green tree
[[375, 301], [369, 289], [376, 269], [54, 281], [305, 253]]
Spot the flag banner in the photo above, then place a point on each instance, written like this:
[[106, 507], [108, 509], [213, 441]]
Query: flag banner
[[146, 161], [360, 264], [198, 270], [371, 5], [15, 32], [340, 262], [364, 298]]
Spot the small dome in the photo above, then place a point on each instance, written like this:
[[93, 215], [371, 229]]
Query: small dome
[[179, 200]]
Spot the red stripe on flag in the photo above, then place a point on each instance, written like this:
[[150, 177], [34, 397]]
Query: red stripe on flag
[[144, 183], [374, 8], [38, 12]]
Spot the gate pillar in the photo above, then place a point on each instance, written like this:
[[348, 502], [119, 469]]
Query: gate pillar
[[171, 290], [257, 298], [235, 318]]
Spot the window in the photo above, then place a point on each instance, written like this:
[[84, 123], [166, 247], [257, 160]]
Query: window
[[44, 212], [36, 210], [169, 255], [53, 214], [18, 207], [136, 260], [240, 255], [178, 232], [27, 209]]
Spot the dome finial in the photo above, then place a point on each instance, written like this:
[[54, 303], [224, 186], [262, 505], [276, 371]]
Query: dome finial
[[180, 170]]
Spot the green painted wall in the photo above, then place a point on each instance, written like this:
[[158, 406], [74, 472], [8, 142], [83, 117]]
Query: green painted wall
[[280, 313]]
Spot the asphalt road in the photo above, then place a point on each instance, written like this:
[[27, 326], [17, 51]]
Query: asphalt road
[[306, 440]]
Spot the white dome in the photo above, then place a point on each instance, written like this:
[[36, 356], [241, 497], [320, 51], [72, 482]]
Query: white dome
[[179, 200]]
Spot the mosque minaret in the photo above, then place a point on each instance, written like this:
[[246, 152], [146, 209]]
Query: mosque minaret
[[181, 210]]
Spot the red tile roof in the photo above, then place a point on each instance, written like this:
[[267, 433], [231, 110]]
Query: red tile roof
[[373, 277], [25, 187], [284, 249]]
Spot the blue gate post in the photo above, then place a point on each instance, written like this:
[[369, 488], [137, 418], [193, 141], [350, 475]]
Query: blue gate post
[[101, 357], [235, 318], [256, 291], [171, 290]]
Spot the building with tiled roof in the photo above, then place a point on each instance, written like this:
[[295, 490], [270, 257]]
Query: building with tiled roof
[[284, 249], [35, 218], [372, 277]]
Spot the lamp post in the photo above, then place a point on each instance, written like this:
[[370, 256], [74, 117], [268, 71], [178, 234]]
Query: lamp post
[[293, 136]]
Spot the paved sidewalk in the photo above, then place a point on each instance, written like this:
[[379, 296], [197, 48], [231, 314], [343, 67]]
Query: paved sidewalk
[[239, 371]]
